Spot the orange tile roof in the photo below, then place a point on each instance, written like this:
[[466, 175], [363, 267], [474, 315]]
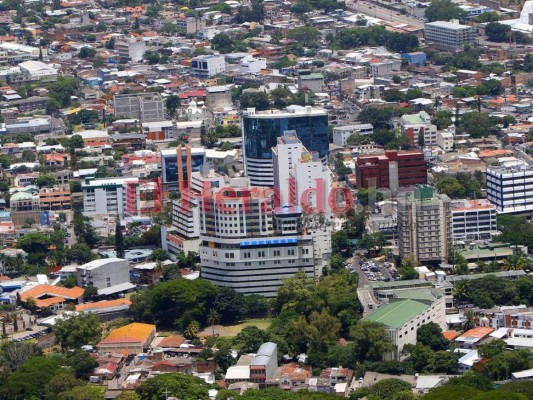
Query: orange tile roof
[[135, 330], [478, 332], [102, 304], [493, 153], [48, 302], [49, 290], [450, 335], [172, 341]]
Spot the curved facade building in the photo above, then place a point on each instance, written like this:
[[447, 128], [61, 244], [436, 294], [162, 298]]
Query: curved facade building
[[261, 130]]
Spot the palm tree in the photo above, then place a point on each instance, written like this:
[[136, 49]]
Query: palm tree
[[30, 304], [470, 320], [514, 263], [213, 318], [192, 330]]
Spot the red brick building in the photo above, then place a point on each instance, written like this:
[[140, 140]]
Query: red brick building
[[392, 169]]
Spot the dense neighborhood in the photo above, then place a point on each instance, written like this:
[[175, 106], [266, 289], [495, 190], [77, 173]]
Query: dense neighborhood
[[265, 199]]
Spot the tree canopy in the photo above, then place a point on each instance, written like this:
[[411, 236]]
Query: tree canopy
[[443, 10]]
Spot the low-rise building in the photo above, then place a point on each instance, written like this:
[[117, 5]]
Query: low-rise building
[[103, 273], [342, 133], [132, 339]]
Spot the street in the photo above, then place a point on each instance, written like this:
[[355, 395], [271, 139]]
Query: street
[[385, 14], [364, 292]]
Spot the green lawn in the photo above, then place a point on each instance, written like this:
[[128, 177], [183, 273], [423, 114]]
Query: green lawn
[[233, 330]]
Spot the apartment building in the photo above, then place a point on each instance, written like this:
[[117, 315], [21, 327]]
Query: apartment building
[[144, 107], [473, 220], [130, 48], [419, 129], [299, 176], [55, 198], [251, 247], [342, 133], [510, 189], [190, 25], [424, 225], [261, 130], [207, 66], [103, 273], [391, 170], [449, 36]]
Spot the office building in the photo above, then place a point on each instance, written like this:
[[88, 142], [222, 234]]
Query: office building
[[419, 129], [261, 130], [176, 171], [300, 178], [207, 66], [144, 107], [130, 49], [510, 189], [391, 170], [402, 317], [342, 133], [473, 220], [251, 247], [449, 36], [103, 273], [424, 225]]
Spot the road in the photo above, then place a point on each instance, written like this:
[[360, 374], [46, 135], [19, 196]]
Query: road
[[385, 14], [364, 292]]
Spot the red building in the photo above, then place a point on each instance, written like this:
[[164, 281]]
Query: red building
[[392, 169]]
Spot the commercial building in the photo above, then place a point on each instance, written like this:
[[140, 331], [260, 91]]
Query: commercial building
[[130, 48], [417, 58], [207, 66], [391, 170], [473, 220], [449, 36], [14, 53], [255, 368], [424, 225], [342, 133], [177, 170], [32, 71], [133, 339], [419, 129], [55, 198], [510, 189], [251, 247], [103, 273], [403, 317], [53, 297], [261, 130], [299, 176], [144, 107], [31, 126], [252, 65]]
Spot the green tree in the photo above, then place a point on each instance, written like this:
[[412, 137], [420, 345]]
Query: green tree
[[76, 331], [305, 35], [222, 43], [177, 385], [430, 335], [497, 32], [371, 339], [407, 270], [472, 379], [62, 382], [151, 57], [387, 389], [87, 392], [45, 181], [492, 349], [172, 103], [257, 99], [230, 305], [120, 247], [443, 10], [87, 52]]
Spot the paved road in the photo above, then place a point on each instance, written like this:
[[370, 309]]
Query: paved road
[[385, 14], [364, 292]]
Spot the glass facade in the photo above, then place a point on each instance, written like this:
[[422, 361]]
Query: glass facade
[[170, 166], [260, 134]]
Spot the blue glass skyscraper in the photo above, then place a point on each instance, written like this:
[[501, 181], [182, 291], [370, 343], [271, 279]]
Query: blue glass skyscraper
[[261, 130]]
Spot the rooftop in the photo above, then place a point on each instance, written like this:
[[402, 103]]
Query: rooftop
[[135, 330], [396, 314]]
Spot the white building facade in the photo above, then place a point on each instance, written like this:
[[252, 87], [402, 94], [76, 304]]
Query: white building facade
[[473, 220], [510, 189]]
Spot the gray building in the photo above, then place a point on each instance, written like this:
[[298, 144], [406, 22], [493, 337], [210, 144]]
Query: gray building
[[449, 36], [342, 133], [145, 107], [424, 225], [103, 273]]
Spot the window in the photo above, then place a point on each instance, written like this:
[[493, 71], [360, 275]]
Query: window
[[277, 253], [261, 253], [247, 254], [229, 255], [290, 252]]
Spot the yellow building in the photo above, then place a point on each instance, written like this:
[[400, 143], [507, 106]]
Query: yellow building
[[134, 338]]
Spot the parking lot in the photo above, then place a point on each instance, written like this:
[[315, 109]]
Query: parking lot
[[30, 333], [377, 271]]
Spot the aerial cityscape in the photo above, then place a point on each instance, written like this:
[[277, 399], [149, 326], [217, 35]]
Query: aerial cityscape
[[266, 200]]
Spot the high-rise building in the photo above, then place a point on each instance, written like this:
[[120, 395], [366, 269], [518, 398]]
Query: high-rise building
[[424, 225], [249, 246], [417, 127], [510, 189], [391, 169], [449, 36], [300, 178], [176, 171], [145, 107], [473, 220], [261, 130]]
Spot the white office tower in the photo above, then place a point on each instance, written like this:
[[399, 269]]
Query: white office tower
[[184, 235], [510, 189], [300, 178], [251, 247]]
